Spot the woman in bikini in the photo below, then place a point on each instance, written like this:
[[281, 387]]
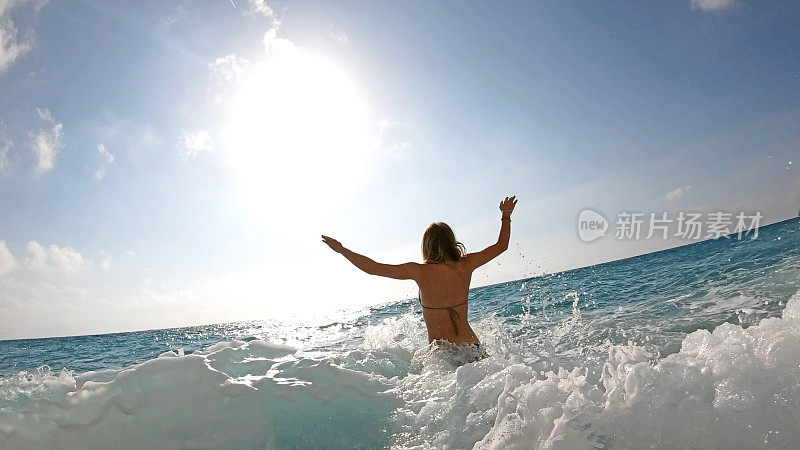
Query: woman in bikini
[[443, 278]]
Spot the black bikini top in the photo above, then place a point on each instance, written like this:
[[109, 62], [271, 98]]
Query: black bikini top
[[453, 314]]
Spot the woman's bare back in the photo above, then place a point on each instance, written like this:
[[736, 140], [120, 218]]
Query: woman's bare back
[[444, 288]]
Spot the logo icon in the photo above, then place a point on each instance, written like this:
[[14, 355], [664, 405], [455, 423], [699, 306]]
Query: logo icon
[[591, 225]]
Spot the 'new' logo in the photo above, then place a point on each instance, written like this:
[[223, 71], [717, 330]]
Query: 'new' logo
[[591, 225]]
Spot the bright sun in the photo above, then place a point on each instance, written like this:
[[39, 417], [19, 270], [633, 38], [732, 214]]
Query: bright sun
[[297, 127]]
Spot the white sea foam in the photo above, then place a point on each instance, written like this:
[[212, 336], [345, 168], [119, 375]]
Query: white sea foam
[[731, 388], [232, 395]]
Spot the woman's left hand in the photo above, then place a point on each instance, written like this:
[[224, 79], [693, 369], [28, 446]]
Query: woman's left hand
[[333, 244]]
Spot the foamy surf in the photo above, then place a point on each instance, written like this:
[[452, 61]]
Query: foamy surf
[[230, 395], [730, 388]]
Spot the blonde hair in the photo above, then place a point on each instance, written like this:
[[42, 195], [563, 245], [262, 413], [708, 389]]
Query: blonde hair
[[439, 244]]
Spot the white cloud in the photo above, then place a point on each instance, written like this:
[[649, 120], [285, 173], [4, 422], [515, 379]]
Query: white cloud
[[278, 46], [38, 256], [135, 140], [5, 147], [11, 47], [7, 261], [341, 37], [46, 144], [108, 159], [105, 260], [46, 288], [54, 257], [390, 137], [711, 5], [230, 68], [678, 193], [65, 258], [194, 143], [383, 126], [402, 150], [261, 7], [171, 19], [8, 5]]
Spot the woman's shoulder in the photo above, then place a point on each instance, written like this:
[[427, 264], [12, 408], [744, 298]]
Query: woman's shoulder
[[438, 267]]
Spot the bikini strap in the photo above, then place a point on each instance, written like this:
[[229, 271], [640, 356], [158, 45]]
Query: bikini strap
[[443, 307], [453, 313]]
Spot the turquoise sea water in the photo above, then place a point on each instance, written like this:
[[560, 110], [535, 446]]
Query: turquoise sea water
[[689, 347]]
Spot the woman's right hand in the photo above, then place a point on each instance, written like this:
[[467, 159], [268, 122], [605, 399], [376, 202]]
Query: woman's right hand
[[507, 205], [333, 244]]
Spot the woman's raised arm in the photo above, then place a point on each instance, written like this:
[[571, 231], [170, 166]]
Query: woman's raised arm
[[407, 271], [475, 260]]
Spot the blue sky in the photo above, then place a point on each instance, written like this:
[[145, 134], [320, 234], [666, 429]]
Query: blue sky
[[173, 163]]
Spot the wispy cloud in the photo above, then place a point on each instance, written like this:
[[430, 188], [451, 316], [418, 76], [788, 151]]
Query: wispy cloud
[[51, 258], [678, 193], [47, 286], [712, 5], [5, 147], [178, 13], [341, 37], [278, 46], [402, 149], [11, 46], [7, 261], [54, 257], [392, 138], [194, 143], [105, 260], [108, 159], [261, 7], [131, 140], [46, 143], [230, 68]]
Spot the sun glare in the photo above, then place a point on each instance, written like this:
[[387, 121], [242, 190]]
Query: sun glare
[[297, 127]]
